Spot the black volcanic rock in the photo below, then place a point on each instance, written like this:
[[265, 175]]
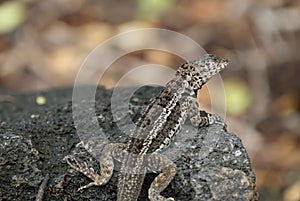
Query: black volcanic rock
[[212, 163]]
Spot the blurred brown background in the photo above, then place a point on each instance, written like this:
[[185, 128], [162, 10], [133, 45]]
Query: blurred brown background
[[43, 44]]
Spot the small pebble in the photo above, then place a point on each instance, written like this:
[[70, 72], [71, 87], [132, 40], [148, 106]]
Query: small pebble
[[40, 100]]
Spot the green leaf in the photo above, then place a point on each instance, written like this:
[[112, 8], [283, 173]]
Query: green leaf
[[238, 96], [150, 9], [12, 14]]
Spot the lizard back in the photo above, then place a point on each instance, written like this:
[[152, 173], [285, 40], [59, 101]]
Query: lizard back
[[162, 119]]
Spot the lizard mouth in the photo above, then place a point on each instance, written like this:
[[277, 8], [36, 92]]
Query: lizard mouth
[[223, 63]]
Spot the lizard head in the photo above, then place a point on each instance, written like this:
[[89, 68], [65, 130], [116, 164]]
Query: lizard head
[[198, 72]]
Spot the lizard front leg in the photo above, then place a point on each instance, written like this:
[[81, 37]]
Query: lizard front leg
[[160, 163], [109, 152], [200, 118]]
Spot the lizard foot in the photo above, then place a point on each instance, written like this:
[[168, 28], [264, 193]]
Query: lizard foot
[[155, 196], [215, 119], [88, 171]]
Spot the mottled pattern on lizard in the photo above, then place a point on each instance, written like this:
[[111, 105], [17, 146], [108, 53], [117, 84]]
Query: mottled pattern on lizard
[[155, 130]]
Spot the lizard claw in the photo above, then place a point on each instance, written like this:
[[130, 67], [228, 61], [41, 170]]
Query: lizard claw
[[155, 196], [216, 119]]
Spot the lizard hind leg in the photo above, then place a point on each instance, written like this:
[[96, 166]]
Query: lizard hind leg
[[109, 152], [160, 163]]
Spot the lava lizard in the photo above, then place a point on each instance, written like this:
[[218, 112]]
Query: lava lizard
[[154, 131]]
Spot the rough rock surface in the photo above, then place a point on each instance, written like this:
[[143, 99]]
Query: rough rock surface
[[34, 139]]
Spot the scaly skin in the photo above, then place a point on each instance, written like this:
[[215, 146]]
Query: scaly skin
[[155, 130]]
